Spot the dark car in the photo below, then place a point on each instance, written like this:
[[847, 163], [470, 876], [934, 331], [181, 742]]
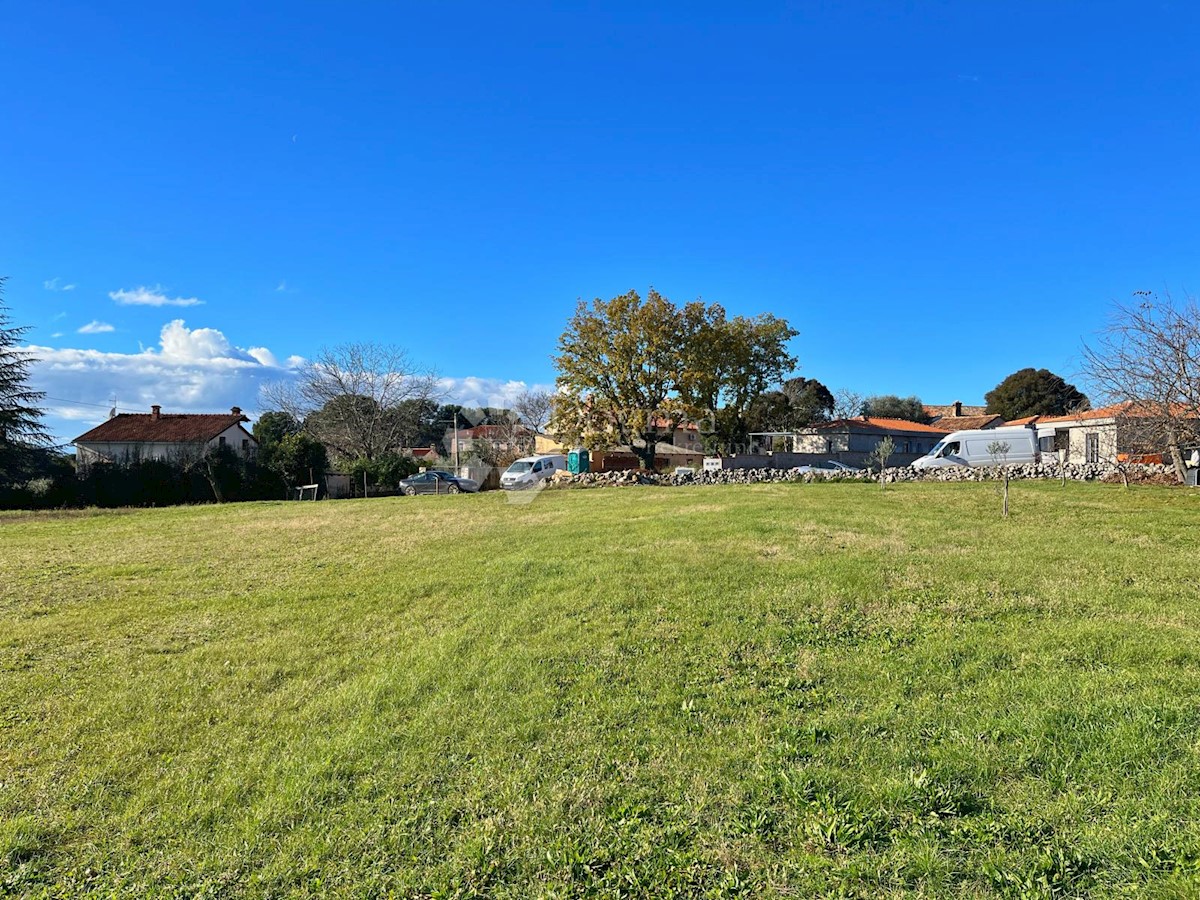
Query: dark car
[[437, 481]]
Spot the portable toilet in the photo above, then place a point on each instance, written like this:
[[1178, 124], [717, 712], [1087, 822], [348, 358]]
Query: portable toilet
[[578, 462]]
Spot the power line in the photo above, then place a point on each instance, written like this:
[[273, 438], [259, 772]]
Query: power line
[[84, 403]]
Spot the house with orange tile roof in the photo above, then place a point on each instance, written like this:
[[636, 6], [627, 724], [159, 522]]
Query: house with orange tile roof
[[132, 437], [1120, 432], [852, 440]]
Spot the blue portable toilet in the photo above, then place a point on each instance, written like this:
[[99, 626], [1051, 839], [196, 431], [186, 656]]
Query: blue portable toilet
[[579, 461]]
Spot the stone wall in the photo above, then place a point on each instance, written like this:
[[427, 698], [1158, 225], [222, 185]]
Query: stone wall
[[1151, 474]]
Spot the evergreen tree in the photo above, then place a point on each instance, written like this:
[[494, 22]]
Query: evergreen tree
[[22, 434]]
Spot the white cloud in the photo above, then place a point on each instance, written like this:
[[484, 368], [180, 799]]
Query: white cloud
[[96, 327], [57, 334], [53, 285], [474, 391], [282, 288], [191, 370], [264, 356], [144, 296]]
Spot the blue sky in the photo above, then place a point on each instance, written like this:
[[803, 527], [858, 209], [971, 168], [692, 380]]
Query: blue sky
[[935, 194]]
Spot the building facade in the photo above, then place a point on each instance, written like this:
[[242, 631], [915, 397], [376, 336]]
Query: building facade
[[172, 437]]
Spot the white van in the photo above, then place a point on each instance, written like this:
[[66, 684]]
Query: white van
[[970, 448], [529, 470]]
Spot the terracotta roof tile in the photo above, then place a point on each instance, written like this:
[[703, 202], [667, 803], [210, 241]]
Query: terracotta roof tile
[[167, 428], [1126, 408], [877, 423]]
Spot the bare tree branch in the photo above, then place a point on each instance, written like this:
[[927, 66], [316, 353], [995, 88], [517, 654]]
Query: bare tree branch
[[1148, 358], [350, 397]]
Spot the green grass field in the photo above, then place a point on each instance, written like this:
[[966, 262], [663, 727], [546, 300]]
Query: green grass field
[[777, 691]]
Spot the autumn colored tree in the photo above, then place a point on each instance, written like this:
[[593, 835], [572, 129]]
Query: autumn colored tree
[[631, 368]]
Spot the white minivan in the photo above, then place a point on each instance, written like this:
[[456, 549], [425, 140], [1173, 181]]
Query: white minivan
[[970, 448], [530, 470]]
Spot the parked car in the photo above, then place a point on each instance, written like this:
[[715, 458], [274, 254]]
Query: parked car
[[830, 467], [529, 470], [437, 481], [970, 448]]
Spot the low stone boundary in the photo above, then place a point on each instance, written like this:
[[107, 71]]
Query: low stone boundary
[[1136, 474]]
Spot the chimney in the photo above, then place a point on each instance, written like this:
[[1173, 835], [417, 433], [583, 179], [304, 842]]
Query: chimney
[[958, 407], [155, 412], [236, 410]]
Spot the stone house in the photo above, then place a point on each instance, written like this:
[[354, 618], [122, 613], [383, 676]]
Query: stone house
[[955, 410], [957, 417], [172, 437]]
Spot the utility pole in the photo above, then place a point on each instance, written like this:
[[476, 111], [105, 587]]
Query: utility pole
[[456, 442]]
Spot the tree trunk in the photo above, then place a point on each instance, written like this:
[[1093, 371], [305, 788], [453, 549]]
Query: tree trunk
[[647, 453], [213, 482], [1177, 460], [1006, 494]]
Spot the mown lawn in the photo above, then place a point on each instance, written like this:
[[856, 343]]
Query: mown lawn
[[776, 691]]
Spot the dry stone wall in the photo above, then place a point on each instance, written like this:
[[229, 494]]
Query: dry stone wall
[[1151, 474]]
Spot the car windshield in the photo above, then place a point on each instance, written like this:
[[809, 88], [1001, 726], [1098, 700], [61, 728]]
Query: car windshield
[[937, 448], [520, 466]]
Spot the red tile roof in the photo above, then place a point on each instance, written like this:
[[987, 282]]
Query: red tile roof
[[877, 423], [1127, 408], [166, 428], [1104, 412]]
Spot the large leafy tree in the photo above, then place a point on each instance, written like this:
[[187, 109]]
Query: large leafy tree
[[809, 401], [1034, 392], [620, 367], [800, 402], [631, 368], [889, 406], [286, 448], [22, 434], [728, 363]]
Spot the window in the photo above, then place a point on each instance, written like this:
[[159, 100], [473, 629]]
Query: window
[[245, 445], [1091, 447], [221, 441]]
